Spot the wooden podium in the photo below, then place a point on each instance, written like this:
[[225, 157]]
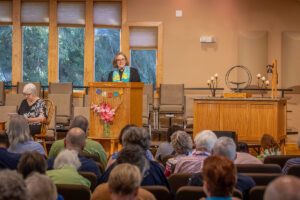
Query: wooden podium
[[250, 118], [128, 97]]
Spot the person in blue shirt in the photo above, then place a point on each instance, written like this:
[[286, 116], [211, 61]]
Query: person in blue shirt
[[75, 140], [7, 160]]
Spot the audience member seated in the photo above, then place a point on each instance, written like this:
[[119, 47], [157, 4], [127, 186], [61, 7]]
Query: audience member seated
[[135, 155], [12, 186], [32, 162], [284, 187], [219, 177], [243, 156], [33, 109], [193, 163], [123, 183], [269, 146], [166, 148], [292, 161], [19, 137], [182, 144], [7, 160], [226, 147], [91, 147], [41, 187], [143, 140], [75, 140], [65, 169]]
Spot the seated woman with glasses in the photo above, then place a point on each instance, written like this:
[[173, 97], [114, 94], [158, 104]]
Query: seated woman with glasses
[[124, 72], [33, 109]]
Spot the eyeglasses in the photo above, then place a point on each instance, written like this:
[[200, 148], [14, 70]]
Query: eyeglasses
[[28, 94], [122, 59]]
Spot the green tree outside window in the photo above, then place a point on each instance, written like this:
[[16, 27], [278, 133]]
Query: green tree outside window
[[5, 53], [35, 54], [145, 62], [71, 55], [107, 44]]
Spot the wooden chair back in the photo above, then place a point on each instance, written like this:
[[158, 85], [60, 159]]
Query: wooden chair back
[[45, 124], [73, 192], [263, 178], [257, 193], [280, 160], [91, 177], [197, 192], [178, 180], [160, 192], [258, 168], [294, 170]]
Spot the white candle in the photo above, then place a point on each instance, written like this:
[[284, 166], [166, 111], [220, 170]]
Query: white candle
[[267, 82]]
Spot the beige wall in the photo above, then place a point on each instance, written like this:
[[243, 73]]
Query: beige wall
[[187, 60]]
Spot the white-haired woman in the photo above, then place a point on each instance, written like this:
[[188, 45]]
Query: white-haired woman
[[19, 137], [204, 141], [65, 169], [182, 144], [33, 109]]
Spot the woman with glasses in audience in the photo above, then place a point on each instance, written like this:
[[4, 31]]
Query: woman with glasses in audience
[[123, 72], [33, 109]]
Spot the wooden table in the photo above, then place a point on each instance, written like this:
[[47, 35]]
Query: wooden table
[[250, 118]]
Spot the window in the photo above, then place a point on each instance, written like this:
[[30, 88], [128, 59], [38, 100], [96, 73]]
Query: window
[[107, 44], [71, 55], [145, 62], [35, 54], [5, 53], [143, 54]]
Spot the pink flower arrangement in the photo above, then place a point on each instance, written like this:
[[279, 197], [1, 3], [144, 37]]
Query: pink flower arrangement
[[105, 112]]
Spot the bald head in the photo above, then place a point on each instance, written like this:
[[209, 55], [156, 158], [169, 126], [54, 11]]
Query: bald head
[[284, 187], [75, 139]]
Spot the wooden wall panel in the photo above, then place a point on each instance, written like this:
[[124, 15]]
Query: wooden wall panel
[[263, 119], [16, 43], [234, 113], [89, 47], [53, 43], [206, 116]]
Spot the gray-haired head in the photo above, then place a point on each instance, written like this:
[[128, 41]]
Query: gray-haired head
[[135, 155], [18, 131], [67, 158], [80, 122], [136, 136], [181, 142], [30, 88], [205, 140], [75, 139], [12, 186], [40, 187], [284, 187], [225, 146]]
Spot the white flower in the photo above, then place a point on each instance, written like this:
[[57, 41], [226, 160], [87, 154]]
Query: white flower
[[258, 76], [216, 75], [212, 78], [263, 78], [267, 82], [208, 81]]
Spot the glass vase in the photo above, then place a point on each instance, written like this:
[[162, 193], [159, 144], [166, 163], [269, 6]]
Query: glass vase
[[106, 129]]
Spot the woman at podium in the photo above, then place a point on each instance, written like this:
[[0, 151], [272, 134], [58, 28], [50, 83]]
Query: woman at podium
[[122, 72]]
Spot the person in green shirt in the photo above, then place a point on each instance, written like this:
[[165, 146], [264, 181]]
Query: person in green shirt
[[92, 147], [65, 169]]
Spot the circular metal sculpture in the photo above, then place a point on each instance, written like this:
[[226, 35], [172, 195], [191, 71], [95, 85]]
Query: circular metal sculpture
[[244, 83]]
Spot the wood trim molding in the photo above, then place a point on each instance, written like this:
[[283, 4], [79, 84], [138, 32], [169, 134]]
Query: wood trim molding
[[53, 43], [89, 47], [16, 43]]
